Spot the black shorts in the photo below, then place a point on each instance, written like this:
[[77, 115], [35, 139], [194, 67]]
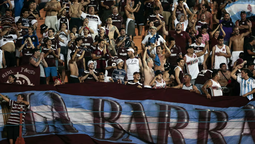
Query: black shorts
[[73, 80], [12, 131]]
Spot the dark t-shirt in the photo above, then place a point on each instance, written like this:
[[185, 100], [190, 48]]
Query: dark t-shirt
[[50, 58], [117, 20], [175, 54], [26, 54], [181, 39], [248, 57]]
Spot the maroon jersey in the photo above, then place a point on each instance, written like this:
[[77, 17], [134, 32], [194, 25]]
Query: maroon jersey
[[55, 43], [117, 20], [7, 20], [72, 47], [26, 54], [63, 20], [122, 53], [111, 62], [178, 11], [213, 42], [108, 3], [87, 44], [32, 17], [80, 63], [175, 54], [156, 20], [90, 77], [203, 76], [243, 23], [199, 25], [95, 4], [181, 39], [50, 58], [20, 38], [100, 62]]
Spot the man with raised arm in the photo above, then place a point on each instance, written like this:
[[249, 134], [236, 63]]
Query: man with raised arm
[[247, 83], [14, 118], [147, 68], [238, 41]]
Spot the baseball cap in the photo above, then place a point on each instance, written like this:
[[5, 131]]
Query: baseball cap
[[130, 49], [43, 27], [239, 61], [119, 61], [33, 22], [89, 62]]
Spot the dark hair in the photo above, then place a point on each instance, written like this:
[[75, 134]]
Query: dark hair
[[179, 59], [247, 71], [100, 40], [188, 75], [51, 29], [241, 55], [156, 8], [77, 39], [8, 10], [122, 29], [35, 50], [24, 10], [226, 13], [180, 0], [22, 95], [250, 64], [215, 72], [171, 39], [46, 40], [252, 38], [13, 76], [75, 26], [18, 22], [198, 36], [220, 37], [31, 28], [136, 73], [157, 72], [159, 46], [204, 26], [222, 64]]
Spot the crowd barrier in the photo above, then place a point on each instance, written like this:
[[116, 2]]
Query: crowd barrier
[[112, 113]]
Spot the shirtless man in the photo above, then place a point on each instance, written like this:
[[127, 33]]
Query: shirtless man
[[75, 13], [7, 44], [225, 75], [110, 30], [238, 41], [148, 71], [162, 57], [52, 8], [74, 72], [208, 15], [130, 24]]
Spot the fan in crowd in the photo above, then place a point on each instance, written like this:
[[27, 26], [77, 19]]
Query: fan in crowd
[[195, 47]]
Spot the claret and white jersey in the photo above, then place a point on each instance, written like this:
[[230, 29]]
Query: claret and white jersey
[[132, 66], [215, 88], [220, 59], [199, 48], [192, 65]]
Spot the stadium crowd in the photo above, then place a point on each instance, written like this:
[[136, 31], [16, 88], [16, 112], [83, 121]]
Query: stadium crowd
[[191, 45]]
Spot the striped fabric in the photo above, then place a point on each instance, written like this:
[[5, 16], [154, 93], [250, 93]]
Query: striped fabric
[[15, 109], [246, 86]]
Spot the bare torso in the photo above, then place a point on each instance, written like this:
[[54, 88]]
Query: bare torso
[[162, 62], [223, 82], [112, 29], [10, 47], [237, 42], [148, 76], [75, 10], [208, 16], [53, 6], [73, 69], [129, 14]]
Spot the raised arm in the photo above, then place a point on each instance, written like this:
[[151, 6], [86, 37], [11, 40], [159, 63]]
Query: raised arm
[[249, 31], [204, 50], [223, 32], [5, 98], [213, 56], [213, 32], [144, 58], [215, 18]]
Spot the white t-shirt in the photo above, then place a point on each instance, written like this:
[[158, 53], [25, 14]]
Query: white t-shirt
[[158, 41], [7, 38], [132, 66], [184, 24], [94, 21], [246, 86]]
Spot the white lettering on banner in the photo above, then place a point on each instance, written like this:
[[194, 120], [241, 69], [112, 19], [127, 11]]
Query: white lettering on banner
[[7, 73]]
